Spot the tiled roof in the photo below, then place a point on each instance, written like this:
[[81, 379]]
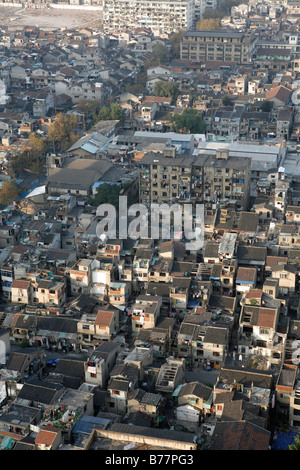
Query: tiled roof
[[46, 436], [104, 317], [240, 435]]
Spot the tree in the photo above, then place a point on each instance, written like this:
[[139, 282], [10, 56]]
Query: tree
[[175, 40], [226, 100], [31, 157], [296, 443], [107, 194], [8, 193], [62, 133], [190, 121], [166, 89], [116, 112], [160, 54], [88, 106], [110, 112], [266, 106], [208, 24], [36, 145]]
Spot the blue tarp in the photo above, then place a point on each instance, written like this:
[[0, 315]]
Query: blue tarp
[[86, 424], [31, 187], [283, 440]]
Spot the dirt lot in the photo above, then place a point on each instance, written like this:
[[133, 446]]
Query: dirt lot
[[49, 18]]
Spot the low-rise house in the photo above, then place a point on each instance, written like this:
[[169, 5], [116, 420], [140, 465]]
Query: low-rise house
[[231, 435], [196, 395], [55, 333], [18, 420], [245, 279], [119, 292], [242, 380], [68, 372], [170, 375], [49, 291], [145, 312], [118, 389], [285, 385], [189, 344], [289, 236], [272, 262], [159, 338], [21, 327], [292, 214], [106, 324], [24, 364], [21, 291], [258, 328], [294, 407], [179, 294], [160, 269], [9, 236], [48, 438], [40, 394], [149, 403], [215, 344], [287, 275], [81, 275], [100, 363], [140, 358]]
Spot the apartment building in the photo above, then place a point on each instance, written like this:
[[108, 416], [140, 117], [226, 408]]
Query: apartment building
[[223, 46], [206, 178], [294, 410], [158, 15], [145, 312], [81, 275]]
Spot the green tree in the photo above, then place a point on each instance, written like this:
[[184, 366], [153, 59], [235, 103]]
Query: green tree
[[116, 112], [175, 40], [107, 194], [166, 89], [160, 54], [266, 106], [104, 114], [296, 443], [190, 121], [110, 112], [8, 193], [226, 100]]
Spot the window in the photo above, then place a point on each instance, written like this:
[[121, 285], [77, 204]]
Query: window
[[264, 331]]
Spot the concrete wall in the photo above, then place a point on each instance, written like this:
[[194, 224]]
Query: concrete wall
[[143, 439]]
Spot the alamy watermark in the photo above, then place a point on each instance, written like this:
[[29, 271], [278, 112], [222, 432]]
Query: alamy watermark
[[159, 221]]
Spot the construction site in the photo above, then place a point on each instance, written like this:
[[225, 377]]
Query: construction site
[[52, 17]]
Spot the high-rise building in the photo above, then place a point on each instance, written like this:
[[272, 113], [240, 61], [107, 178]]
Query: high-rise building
[[223, 46], [158, 15], [201, 178]]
